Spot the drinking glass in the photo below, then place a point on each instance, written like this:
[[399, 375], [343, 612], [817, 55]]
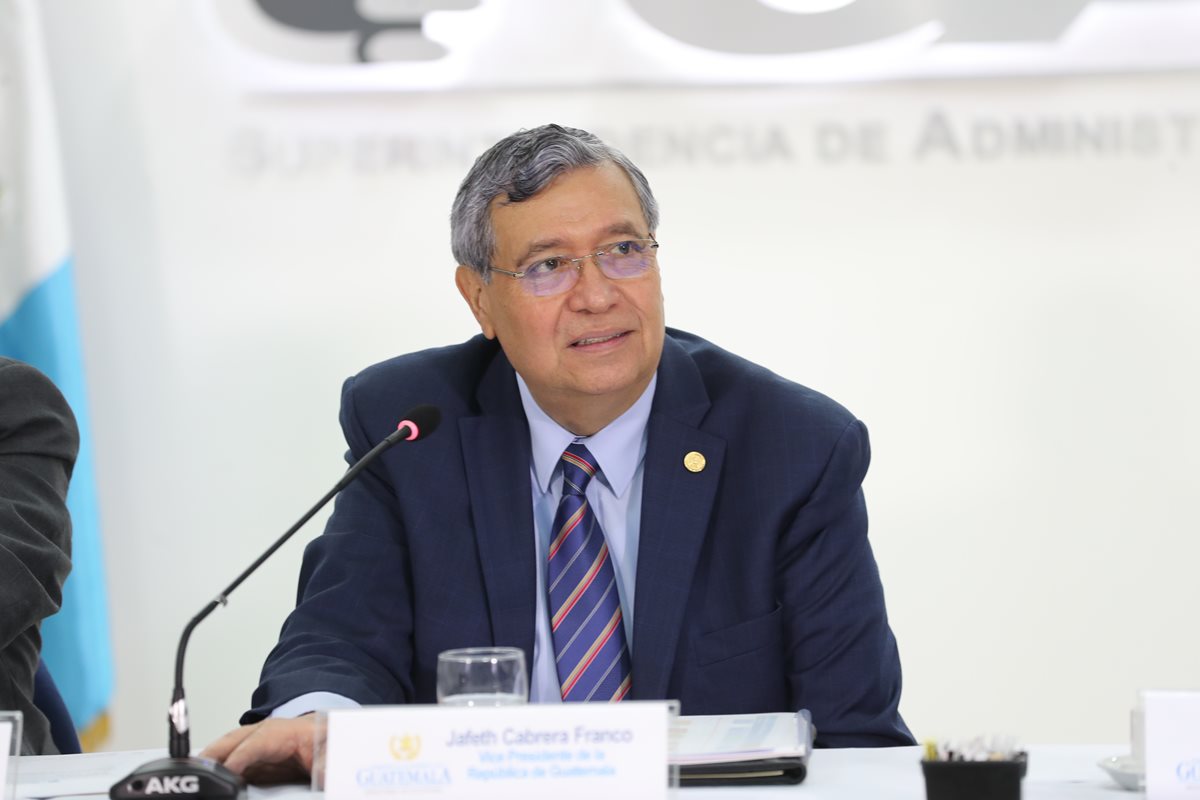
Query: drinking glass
[[482, 676]]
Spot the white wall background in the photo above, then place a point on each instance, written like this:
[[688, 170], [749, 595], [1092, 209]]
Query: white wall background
[[1017, 326]]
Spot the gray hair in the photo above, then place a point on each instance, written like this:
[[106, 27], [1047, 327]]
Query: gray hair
[[520, 166]]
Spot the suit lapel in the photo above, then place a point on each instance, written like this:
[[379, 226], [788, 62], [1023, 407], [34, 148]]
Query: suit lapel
[[496, 453], [676, 505]]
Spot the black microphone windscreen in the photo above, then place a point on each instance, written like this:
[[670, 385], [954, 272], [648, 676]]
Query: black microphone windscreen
[[424, 419]]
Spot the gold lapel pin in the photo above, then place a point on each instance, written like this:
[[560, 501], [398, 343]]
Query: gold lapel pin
[[694, 461]]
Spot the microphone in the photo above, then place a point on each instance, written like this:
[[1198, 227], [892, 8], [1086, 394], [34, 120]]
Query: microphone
[[204, 778]]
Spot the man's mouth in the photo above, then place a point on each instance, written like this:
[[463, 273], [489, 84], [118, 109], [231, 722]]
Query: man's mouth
[[598, 339]]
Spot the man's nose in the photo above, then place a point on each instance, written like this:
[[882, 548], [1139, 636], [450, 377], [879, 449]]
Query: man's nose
[[593, 290]]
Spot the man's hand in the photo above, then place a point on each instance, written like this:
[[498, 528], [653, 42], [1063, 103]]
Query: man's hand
[[271, 751]]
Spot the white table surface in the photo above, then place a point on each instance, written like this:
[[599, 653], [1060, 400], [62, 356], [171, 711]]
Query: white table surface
[[1055, 771]]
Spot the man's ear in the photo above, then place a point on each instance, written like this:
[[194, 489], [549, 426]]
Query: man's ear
[[471, 286]]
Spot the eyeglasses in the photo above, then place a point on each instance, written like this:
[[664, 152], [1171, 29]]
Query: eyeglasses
[[554, 275]]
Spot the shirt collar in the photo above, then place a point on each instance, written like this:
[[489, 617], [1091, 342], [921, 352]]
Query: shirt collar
[[618, 448]]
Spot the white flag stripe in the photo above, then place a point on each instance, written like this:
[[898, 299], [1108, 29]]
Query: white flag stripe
[[34, 238]]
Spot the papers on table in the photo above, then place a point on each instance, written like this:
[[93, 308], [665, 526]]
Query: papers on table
[[63, 776], [740, 748]]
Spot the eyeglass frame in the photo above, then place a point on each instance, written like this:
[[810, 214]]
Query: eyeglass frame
[[577, 263]]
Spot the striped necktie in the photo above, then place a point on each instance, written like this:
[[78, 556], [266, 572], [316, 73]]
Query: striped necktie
[[585, 607]]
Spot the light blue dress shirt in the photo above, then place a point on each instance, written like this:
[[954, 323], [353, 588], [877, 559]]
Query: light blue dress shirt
[[615, 495]]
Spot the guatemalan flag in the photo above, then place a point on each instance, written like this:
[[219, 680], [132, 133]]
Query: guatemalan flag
[[39, 325]]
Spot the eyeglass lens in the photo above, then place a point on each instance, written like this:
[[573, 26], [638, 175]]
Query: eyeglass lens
[[620, 260]]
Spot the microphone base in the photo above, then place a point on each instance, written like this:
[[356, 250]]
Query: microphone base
[[199, 778]]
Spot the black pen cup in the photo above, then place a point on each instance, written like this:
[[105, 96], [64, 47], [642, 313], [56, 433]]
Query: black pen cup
[[974, 780]]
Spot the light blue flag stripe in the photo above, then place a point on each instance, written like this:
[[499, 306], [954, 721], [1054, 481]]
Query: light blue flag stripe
[[43, 331]]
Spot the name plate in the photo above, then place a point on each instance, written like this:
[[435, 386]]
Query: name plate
[[1172, 721], [10, 746], [577, 751]]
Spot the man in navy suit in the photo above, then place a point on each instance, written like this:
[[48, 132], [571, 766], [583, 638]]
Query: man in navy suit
[[729, 499]]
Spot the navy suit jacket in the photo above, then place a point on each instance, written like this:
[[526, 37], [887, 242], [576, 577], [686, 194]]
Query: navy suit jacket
[[756, 586], [38, 444]]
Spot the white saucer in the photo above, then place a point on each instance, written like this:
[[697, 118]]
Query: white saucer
[[1127, 771]]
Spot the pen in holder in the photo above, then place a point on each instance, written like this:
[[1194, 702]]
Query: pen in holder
[[994, 776]]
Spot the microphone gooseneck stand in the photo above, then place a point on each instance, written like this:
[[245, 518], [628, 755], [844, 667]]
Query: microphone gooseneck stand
[[203, 778]]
